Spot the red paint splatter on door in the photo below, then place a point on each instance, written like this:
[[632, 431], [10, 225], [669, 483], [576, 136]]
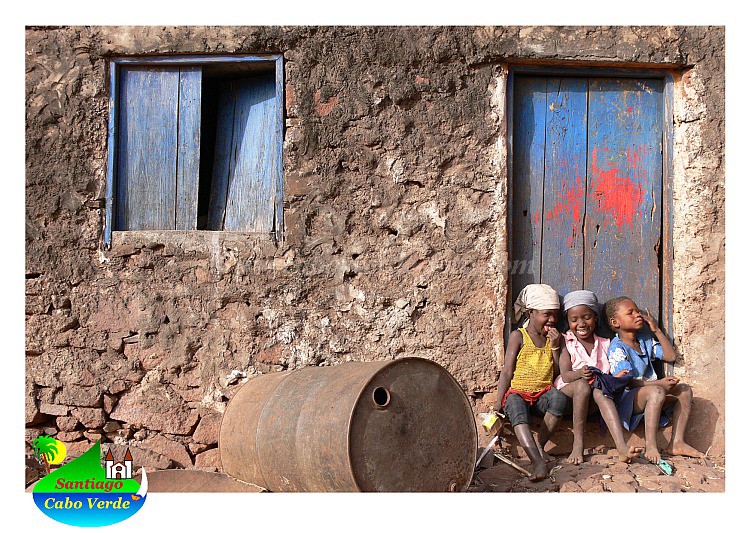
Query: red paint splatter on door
[[570, 201], [634, 158], [616, 194]]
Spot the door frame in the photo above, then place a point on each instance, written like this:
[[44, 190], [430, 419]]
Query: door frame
[[666, 242]]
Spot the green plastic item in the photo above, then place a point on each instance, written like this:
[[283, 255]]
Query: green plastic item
[[665, 467]]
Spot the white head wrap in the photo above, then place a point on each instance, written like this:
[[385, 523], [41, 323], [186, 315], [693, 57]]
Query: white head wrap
[[584, 297], [536, 296]]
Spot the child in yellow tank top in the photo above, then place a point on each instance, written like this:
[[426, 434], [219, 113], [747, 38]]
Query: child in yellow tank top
[[534, 366], [531, 363]]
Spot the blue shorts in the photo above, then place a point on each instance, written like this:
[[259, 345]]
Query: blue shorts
[[518, 410]]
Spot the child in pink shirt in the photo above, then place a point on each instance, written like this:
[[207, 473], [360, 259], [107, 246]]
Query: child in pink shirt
[[585, 349]]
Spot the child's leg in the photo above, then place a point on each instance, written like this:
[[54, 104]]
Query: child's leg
[[552, 406], [649, 400], [527, 440], [549, 421], [580, 392], [517, 411], [612, 420], [681, 395]]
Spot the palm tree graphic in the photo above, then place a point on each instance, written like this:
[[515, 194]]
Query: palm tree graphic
[[49, 450]]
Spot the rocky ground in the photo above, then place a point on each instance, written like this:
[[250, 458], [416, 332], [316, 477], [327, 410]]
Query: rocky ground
[[602, 472]]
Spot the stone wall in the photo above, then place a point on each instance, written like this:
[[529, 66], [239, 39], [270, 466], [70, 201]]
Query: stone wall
[[395, 226]]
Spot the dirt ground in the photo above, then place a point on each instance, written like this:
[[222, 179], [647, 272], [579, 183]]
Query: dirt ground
[[602, 472]]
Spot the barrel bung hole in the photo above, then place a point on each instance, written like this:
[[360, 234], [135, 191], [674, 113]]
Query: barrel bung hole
[[381, 397]]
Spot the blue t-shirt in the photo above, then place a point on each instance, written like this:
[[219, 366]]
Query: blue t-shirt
[[623, 357]]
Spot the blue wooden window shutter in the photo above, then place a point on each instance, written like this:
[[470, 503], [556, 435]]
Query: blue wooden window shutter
[[158, 148], [246, 157]]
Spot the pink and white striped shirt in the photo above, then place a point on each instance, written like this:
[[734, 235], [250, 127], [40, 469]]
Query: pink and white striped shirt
[[580, 357]]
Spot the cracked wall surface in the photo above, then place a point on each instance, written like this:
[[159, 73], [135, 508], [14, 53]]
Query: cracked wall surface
[[395, 238]]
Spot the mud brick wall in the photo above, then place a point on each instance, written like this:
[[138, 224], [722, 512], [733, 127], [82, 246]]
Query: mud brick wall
[[395, 194]]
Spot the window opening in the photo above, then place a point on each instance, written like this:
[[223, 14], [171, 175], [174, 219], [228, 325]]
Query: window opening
[[195, 143]]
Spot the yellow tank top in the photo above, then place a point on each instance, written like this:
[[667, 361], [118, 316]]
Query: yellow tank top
[[534, 366]]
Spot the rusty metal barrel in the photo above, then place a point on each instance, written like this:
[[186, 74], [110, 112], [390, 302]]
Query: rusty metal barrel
[[384, 426]]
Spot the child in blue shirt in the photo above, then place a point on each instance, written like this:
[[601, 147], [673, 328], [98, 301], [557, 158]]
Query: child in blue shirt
[[635, 351]]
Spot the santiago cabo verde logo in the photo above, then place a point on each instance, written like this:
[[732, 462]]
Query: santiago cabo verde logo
[[82, 492]]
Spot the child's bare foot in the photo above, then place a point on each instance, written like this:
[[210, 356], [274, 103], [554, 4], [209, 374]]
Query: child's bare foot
[[652, 454], [625, 456], [540, 472], [576, 457], [681, 448]]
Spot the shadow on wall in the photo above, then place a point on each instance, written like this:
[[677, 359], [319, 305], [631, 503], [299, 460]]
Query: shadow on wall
[[699, 434], [702, 425]]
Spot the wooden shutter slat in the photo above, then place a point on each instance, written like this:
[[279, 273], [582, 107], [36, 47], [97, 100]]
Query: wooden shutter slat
[[147, 148], [189, 148]]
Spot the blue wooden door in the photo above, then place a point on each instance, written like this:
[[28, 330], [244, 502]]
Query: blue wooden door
[[587, 186]]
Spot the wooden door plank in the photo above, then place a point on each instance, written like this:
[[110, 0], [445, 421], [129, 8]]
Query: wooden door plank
[[530, 107], [624, 215], [189, 148], [253, 179], [565, 184], [147, 146]]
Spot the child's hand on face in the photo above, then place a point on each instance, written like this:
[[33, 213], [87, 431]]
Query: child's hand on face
[[651, 321], [554, 336]]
